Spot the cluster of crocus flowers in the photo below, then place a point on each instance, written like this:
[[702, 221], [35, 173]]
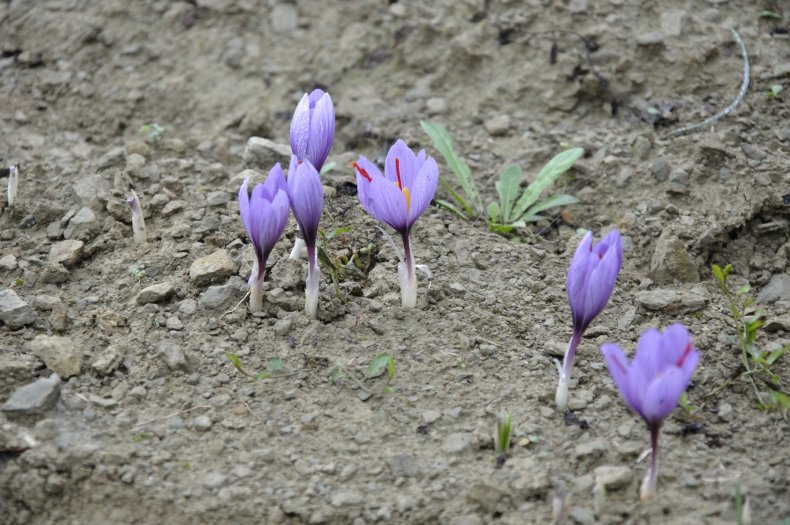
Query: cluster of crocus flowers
[[398, 198], [591, 277], [653, 383], [312, 134], [13, 182], [264, 215], [138, 222]]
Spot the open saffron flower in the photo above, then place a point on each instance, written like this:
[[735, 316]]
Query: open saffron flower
[[591, 277], [264, 215], [652, 384], [398, 198], [312, 133], [306, 194]]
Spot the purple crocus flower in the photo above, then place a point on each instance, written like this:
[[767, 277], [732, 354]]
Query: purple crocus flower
[[264, 216], [652, 384], [591, 277], [312, 133], [306, 194], [398, 198]]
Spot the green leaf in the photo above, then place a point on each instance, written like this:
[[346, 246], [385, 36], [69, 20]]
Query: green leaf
[[507, 188], [336, 232], [380, 364], [742, 289], [275, 364], [443, 142], [260, 376], [452, 208], [329, 166], [769, 14], [551, 202], [337, 375], [553, 169], [775, 90], [717, 273], [493, 212], [776, 354], [235, 360]]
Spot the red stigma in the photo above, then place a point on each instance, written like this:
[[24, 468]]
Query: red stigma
[[397, 173], [686, 353], [362, 172]]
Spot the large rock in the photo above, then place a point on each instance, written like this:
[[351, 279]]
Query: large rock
[[222, 297], [83, 226], [58, 353], [673, 301], [613, 477], [212, 268], [173, 355], [35, 397], [263, 152], [89, 187], [15, 312], [777, 289], [66, 252], [156, 293], [671, 261]]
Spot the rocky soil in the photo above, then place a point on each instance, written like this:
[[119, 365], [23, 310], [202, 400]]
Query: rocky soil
[[119, 404]]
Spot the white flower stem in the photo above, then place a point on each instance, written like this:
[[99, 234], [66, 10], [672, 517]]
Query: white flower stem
[[138, 222], [407, 276], [648, 489], [13, 181], [256, 292], [561, 397], [300, 248], [311, 285]]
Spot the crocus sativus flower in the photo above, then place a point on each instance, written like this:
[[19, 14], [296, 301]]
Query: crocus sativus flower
[[591, 277], [652, 384], [398, 198], [312, 133], [306, 194], [264, 215]]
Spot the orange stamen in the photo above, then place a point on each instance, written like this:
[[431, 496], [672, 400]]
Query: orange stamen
[[408, 197], [362, 172]]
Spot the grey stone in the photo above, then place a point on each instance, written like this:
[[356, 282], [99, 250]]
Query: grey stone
[[435, 105], [284, 18], [35, 397], [405, 465], [343, 499], [114, 158], [467, 519], [613, 477], [58, 353], [488, 496], [641, 148], [498, 125], [753, 152], [214, 480], [264, 152], [15, 312], [217, 198], [430, 416], [83, 226], [187, 306], [66, 253], [172, 207], [203, 423], [532, 478], [578, 7], [108, 360], [583, 516], [673, 22], [282, 327], [8, 262], [673, 301], [595, 447], [156, 293], [660, 169], [457, 443], [671, 261], [725, 412], [173, 355], [218, 297], [89, 187], [653, 38], [174, 323], [54, 231], [46, 302], [211, 268], [55, 273], [777, 289]]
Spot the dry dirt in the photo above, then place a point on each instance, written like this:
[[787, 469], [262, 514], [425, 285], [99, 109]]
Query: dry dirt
[[157, 426]]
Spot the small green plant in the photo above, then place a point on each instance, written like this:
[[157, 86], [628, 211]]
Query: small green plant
[[504, 424], [755, 362], [153, 132], [340, 266], [136, 274], [327, 167], [775, 90], [743, 515], [511, 211], [382, 364], [274, 368]]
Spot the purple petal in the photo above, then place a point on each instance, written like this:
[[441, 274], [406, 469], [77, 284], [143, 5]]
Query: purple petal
[[372, 171], [675, 346], [388, 204], [647, 361], [577, 278], [423, 189], [662, 394], [244, 204], [322, 130], [407, 165], [300, 127], [306, 194], [315, 96], [274, 182], [619, 369]]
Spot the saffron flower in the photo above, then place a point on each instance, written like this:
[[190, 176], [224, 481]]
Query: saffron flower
[[398, 198], [264, 215], [312, 133], [306, 194], [591, 277], [138, 222], [652, 384]]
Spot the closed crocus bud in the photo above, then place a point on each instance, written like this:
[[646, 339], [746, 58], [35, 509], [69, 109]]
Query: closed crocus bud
[[264, 215], [138, 222], [306, 194], [652, 384], [591, 277], [312, 133]]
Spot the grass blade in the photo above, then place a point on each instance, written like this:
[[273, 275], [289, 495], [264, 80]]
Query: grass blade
[[507, 188], [553, 169], [551, 202]]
